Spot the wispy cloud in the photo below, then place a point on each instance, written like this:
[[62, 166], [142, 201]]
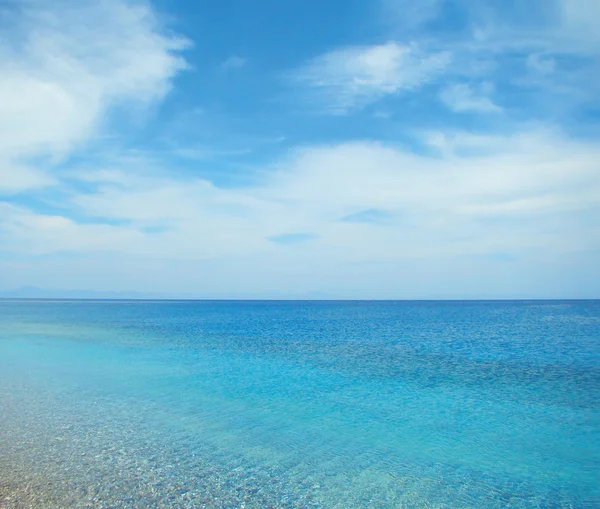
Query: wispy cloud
[[16, 177], [345, 208], [349, 78], [407, 15], [233, 62], [65, 68], [533, 187], [529, 174], [456, 45], [461, 97]]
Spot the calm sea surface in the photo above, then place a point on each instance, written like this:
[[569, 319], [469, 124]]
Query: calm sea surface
[[119, 404]]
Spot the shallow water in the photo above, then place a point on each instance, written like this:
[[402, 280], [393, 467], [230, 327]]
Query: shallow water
[[300, 404]]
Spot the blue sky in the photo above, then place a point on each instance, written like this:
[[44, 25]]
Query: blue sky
[[355, 149]]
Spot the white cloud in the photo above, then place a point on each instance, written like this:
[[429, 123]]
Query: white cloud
[[532, 196], [30, 233], [494, 42], [461, 97], [64, 66], [348, 78], [473, 170], [16, 177], [351, 77], [430, 200], [234, 62]]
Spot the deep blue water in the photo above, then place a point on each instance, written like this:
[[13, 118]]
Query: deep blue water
[[300, 404]]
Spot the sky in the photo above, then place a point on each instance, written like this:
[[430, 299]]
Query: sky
[[354, 149]]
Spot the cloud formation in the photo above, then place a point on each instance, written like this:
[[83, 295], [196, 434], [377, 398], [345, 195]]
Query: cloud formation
[[524, 176], [478, 182], [352, 77], [461, 97], [461, 48], [233, 62], [65, 69]]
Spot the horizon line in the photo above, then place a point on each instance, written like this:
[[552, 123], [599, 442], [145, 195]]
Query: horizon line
[[208, 299]]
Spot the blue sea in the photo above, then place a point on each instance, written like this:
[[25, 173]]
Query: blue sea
[[222, 404]]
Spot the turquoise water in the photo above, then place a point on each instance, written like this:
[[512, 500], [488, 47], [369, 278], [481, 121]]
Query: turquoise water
[[300, 404]]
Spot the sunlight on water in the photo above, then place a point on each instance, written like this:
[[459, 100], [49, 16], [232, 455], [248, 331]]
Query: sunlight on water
[[225, 404]]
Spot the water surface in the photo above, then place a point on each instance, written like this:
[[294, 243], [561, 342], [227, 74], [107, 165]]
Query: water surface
[[448, 405]]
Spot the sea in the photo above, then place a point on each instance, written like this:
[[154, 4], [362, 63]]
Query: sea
[[288, 404]]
